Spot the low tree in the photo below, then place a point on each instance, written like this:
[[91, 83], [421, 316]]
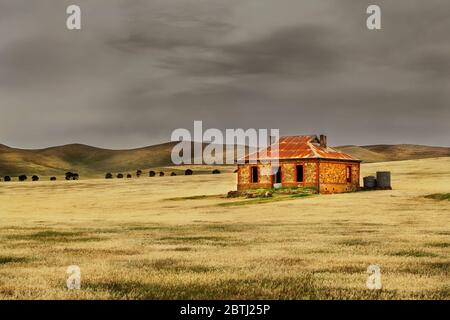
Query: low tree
[[119, 176], [188, 172], [7, 178], [52, 178], [35, 178], [216, 171], [109, 175], [72, 176], [129, 176], [23, 177], [161, 174], [173, 174], [151, 173], [138, 173]]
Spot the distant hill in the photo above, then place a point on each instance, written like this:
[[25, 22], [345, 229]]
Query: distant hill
[[81, 158], [84, 159], [88, 160], [383, 152]]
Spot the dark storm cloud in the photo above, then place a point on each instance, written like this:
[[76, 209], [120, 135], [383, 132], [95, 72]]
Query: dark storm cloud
[[137, 70], [302, 50]]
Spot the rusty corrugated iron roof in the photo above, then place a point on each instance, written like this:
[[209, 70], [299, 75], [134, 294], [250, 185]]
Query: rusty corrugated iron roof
[[300, 147]]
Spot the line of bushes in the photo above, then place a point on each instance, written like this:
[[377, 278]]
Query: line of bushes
[[75, 176], [151, 173], [24, 177]]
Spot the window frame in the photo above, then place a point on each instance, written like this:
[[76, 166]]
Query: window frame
[[348, 174]]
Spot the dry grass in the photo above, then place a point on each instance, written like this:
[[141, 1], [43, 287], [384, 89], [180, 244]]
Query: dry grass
[[136, 239]]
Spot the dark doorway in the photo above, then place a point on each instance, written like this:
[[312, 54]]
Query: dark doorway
[[299, 170], [254, 174], [277, 175]]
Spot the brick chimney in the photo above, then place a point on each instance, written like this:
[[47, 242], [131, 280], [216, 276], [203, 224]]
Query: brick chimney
[[323, 141]]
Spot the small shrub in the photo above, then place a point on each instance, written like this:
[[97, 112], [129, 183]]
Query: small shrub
[[128, 176], [161, 174], [138, 173], [188, 172], [233, 194], [7, 178], [109, 175], [119, 176], [173, 174], [151, 173], [439, 196], [35, 178], [216, 171], [72, 176], [52, 178], [23, 177]]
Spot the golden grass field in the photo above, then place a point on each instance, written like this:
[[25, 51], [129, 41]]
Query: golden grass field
[[179, 238]]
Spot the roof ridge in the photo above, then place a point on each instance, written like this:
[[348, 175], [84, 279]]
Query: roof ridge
[[302, 147]]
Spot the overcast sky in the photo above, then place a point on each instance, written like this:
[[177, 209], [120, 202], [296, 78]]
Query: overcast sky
[[139, 69]]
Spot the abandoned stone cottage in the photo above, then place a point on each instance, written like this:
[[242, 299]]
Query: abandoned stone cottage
[[304, 161]]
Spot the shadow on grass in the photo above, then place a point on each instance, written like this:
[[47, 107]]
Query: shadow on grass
[[199, 197], [12, 259], [413, 253], [201, 240], [439, 196], [439, 244], [171, 265], [302, 287], [346, 269], [355, 242], [54, 236], [252, 201], [428, 269]]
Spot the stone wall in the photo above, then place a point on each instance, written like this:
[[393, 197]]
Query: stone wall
[[289, 173], [243, 174], [333, 176]]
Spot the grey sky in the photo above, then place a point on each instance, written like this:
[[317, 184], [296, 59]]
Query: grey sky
[[139, 69]]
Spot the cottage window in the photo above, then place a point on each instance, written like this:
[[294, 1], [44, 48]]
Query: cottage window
[[299, 170], [349, 174], [254, 174]]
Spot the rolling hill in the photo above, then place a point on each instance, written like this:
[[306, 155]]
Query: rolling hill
[[89, 161], [83, 159], [384, 152]]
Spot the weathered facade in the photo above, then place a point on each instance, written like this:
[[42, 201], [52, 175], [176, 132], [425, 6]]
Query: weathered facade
[[303, 161]]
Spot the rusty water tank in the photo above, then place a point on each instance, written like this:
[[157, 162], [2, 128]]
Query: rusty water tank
[[370, 182], [383, 179]]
